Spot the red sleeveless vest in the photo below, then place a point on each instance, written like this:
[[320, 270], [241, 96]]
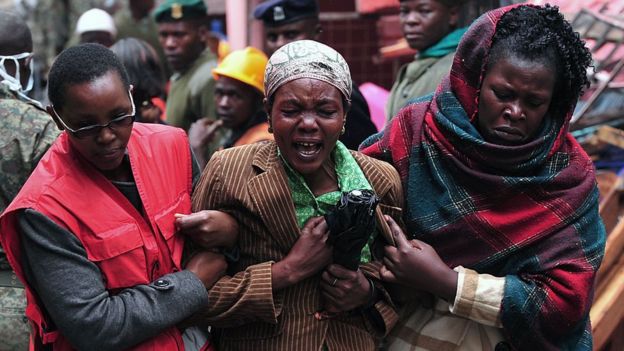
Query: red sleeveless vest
[[128, 247]]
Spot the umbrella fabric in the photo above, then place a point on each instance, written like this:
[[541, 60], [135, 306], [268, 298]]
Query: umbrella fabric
[[351, 224]]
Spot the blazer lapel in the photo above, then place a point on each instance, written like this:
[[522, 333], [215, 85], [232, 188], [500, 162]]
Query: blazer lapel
[[271, 194], [379, 181]]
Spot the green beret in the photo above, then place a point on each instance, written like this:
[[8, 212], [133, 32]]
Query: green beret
[[179, 10]]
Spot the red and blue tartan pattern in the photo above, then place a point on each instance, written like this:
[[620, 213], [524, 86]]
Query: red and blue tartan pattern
[[528, 213]]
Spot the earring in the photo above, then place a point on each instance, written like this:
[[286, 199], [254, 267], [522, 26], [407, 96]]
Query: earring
[[342, 131], [270, 130]]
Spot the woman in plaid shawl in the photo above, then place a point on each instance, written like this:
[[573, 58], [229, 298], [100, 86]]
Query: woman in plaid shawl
[[498, 190]]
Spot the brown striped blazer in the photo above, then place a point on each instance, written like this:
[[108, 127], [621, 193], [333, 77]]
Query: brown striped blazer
[[250, 183]]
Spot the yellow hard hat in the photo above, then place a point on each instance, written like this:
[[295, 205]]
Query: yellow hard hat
[[245, 65], [223, 49]]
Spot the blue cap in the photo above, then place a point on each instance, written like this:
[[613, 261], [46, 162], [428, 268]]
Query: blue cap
[[275, 13]]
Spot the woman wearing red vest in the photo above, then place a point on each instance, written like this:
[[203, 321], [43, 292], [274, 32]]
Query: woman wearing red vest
[[94, 233]]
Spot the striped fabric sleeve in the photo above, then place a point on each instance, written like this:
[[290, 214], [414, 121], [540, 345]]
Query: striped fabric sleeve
[[384, 306], [243, 298], [479, 297]]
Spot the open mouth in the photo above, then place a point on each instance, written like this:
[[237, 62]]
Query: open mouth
[[307, 149]]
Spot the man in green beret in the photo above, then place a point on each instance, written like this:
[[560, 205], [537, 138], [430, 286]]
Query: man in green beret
[[183, 32]]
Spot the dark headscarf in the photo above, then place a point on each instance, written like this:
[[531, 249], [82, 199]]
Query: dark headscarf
[[528, 213]]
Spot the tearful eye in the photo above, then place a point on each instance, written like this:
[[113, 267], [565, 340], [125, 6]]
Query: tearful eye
[[536, 103], [289, 113], [501, 95], [326, 113]]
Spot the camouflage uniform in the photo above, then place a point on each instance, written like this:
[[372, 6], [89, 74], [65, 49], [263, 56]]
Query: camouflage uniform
[[26, 132]]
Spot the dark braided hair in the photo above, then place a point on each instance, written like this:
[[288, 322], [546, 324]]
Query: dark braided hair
[[542, 35]]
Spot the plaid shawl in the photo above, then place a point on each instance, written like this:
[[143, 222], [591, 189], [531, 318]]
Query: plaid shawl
[[528, 213]]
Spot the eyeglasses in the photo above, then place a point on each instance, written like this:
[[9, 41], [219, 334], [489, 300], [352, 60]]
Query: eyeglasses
[[95, 129]]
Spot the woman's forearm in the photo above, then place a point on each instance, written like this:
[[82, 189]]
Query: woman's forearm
[[87, 314], [282, 275]]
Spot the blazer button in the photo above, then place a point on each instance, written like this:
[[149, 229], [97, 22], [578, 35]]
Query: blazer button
[[161, 283], [502, 346]]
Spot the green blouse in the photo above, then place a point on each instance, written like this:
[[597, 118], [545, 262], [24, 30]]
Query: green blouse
[[350, 177]]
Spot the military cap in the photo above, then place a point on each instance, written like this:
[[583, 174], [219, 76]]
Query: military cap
[[179, 10], [278, 12]]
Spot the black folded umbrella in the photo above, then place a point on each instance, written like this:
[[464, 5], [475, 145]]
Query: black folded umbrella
[[350, 224]]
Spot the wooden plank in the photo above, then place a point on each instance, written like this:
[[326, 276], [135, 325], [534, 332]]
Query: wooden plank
[[608, 310], [609, 209], [613, 252], [611, 136]]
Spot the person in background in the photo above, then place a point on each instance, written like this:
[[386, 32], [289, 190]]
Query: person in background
[[432, 28], [218, 44], [96, 233], [239, 91], [96, 26], [146, 76], [53, 25], [26, 132], [182, 31], [502, 203], [135, 21], [289, 20]]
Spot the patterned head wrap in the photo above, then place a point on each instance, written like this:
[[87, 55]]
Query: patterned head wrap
[[307, 59]]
